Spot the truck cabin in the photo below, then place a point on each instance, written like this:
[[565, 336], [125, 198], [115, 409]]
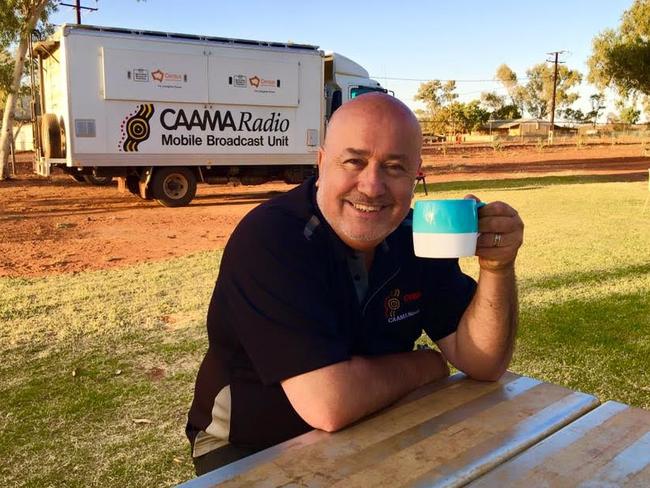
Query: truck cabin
[[344, 81]]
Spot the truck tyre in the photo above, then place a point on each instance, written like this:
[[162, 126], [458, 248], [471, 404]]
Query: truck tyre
[[173, 187], [51, 136], [79, 178], [98, 180]]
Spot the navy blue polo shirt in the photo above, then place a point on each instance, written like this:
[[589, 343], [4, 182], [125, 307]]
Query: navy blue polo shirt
[[290, 299]]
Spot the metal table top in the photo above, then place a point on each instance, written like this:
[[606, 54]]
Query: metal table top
[[445, 434], [608, 447]]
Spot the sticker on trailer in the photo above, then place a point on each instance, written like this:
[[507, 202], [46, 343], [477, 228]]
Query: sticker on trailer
[[156, 128]]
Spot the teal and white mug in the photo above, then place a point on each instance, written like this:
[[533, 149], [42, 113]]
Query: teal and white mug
[[445, 228]]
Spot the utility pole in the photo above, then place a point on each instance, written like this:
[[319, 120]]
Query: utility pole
[[555, 62], [78, 7]]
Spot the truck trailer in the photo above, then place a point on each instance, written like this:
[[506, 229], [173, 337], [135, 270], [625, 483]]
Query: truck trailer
[[162, 111]]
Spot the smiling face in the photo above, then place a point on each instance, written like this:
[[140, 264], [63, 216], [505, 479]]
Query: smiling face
[[367, 169]]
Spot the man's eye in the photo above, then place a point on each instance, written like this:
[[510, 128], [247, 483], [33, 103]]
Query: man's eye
[[353, 163], [395, 169]]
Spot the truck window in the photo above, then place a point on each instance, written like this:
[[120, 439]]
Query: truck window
[[337, 100], [360, 90]]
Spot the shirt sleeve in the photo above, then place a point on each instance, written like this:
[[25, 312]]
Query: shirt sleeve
[[273, 294], [448, 292]]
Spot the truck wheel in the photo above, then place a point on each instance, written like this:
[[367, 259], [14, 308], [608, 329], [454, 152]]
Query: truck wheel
[[173, 187], [98, 180], [51, 136]]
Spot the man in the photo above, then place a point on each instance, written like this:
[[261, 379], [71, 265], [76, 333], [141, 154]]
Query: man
[[320, 298]]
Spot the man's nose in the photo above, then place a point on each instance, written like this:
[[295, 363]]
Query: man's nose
[[371, 181]]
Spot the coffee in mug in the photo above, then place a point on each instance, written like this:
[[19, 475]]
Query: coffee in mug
[[445, 228]]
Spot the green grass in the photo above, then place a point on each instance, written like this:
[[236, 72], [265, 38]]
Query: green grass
[[85, 355]]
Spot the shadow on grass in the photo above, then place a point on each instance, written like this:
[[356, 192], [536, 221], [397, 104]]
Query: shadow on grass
[[597, 346], [595, 277], [530, 183], [617, 320]]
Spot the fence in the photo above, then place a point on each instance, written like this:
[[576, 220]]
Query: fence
[[583, 137]]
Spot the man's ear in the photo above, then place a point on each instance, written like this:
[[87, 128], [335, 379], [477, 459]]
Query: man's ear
[[321, 157]]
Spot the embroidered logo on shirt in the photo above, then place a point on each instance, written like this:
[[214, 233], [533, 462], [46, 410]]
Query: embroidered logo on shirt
[[392, 304], [411, 297]]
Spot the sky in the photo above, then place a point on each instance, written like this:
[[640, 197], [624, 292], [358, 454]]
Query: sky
[[401, 43]]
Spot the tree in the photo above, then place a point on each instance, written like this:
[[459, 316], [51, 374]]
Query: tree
[[629, 115], [539, 89], [591, 117], [461, 118], [18, 20], [627, 112], [474, 116], [621, 57], [507, 112], [536, 95], [436, 95], [445, 114], [498, 108], [575, 115], [492, 101], [645, 102], [597, 101], [6, 69], [517, 93]]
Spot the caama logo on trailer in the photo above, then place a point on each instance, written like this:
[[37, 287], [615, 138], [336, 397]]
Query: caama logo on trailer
[[135, 128], [183, 128]]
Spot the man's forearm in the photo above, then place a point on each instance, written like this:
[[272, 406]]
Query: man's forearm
[[485, 337], [335, 396]]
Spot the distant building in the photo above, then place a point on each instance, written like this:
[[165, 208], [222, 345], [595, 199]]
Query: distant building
[[22, 130], [525, 128], [23, 137]]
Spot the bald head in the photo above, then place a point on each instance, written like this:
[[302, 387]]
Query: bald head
[[375, 107], [367, 168]]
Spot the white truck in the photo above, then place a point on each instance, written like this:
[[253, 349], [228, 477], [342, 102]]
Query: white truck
[[163, 111]]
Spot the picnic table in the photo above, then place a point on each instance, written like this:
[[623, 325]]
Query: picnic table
[[517, 431], [608, 447]]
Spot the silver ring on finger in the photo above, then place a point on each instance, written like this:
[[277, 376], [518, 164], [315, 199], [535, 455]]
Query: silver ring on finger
[[497, 240]]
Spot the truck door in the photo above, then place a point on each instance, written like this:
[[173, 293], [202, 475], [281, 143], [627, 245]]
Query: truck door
[[155, 76], [248, 81]]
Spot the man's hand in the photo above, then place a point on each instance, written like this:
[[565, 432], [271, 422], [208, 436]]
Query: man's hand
[[501, 235]]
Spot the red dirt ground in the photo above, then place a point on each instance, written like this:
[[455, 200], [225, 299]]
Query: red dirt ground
[[57, 225]]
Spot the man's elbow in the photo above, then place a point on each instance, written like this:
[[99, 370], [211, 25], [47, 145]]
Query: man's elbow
[[321, 398], [325, 417], [487, 374]]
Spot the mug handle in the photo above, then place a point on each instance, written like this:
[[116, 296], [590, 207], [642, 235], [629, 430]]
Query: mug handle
[[479, 204]]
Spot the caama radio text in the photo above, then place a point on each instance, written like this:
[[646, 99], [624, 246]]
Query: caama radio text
[[212, 140]]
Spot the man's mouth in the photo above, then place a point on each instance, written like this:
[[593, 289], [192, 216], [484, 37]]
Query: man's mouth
[[367, 208]]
